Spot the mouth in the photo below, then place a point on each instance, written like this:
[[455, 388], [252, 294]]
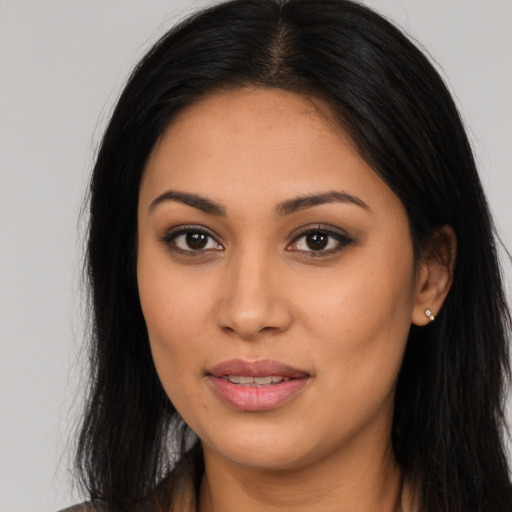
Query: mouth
[[245, 380], [256, 385], [259, 369]]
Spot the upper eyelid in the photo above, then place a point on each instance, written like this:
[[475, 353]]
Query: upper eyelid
[[173, 233], [185, 228], [342, 238], [301, 231], [296, 235], [169, 237], [322, 228], [339, 237]]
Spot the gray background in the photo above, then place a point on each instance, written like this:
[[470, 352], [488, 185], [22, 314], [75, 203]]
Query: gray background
[[62, 63]]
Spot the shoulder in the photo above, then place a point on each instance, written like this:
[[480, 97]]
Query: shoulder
[[83, 507], [89, 507]]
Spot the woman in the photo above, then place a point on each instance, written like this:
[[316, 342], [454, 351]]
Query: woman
[[292, 307]]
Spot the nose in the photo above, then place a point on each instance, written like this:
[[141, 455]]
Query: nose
[[253, 301]]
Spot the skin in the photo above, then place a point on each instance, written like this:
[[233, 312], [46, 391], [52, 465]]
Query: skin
[[258, 291]]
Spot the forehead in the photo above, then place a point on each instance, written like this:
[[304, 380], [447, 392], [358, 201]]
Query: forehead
[[241, 118], [258, 144], [233, 105]]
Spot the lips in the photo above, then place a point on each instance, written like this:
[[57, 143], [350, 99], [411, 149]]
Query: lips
[[260, 368], [244, 380], [256, 385]]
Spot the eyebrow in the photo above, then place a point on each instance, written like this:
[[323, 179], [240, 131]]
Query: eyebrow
[[283, 209], [301, 203], [194, 200]]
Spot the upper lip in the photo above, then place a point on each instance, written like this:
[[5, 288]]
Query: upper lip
[[259, 368]]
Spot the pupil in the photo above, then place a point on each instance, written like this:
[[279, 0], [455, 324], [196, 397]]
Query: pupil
[[196, 240], [316, 241]]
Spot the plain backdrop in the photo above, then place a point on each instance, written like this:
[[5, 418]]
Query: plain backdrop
[[62, 64]]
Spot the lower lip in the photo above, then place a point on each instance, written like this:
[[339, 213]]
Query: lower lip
[[254, 398]]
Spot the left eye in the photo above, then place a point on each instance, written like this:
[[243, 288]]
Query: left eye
[[320, 242]]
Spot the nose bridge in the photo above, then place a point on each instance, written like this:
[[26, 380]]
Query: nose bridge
[[252, 301]]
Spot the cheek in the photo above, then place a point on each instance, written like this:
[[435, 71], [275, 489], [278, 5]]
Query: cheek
[[359, 319], [172, 297], [357, 297], [175, 319], [175, 311]]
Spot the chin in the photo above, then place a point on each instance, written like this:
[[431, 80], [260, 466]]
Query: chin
[[278, 454]]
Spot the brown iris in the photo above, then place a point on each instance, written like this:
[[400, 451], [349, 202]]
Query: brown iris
[[196, 240], [317, 241]]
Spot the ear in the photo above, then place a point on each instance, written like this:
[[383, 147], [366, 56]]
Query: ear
[[434, 275]]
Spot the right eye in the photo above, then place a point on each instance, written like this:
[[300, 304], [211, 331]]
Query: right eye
[[192, 241]]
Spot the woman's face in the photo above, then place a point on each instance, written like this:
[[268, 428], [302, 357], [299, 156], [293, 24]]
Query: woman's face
[[268, 249]]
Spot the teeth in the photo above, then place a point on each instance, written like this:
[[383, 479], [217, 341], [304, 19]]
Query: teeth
[[258, 381], [263, 380], [277, 379]]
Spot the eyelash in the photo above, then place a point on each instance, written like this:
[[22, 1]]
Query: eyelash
[[342, 241], [169, 240]]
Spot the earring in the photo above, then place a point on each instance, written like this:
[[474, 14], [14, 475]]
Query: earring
[[430, 315]]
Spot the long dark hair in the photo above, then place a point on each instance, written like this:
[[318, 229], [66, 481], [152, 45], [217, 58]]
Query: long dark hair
[[448, 421]]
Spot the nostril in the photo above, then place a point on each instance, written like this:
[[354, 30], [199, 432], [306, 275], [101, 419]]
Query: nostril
[[250, 308]]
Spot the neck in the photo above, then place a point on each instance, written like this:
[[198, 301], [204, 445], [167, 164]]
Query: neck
[[364, 480]]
